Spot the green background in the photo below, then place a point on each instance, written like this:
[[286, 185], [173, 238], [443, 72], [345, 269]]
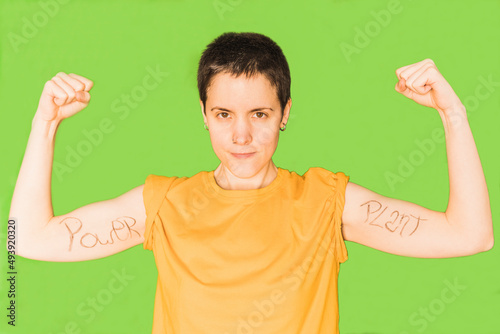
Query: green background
[[346, 116]]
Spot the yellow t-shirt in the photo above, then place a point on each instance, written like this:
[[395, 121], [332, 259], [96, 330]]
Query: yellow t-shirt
[[260, 261]]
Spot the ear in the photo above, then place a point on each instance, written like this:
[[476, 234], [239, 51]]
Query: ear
[[203, 113], [286, 112]]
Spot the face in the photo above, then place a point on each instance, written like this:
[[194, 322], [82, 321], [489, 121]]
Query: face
[[243, 115]]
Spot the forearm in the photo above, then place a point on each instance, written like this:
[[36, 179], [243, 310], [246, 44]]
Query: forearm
[[31, 204], [469, 205]]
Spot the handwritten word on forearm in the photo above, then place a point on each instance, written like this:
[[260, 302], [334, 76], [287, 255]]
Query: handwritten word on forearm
[[396, 221], [120, 229]]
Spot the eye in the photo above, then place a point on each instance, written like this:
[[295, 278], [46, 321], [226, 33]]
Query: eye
[[260, 113], [222, 113]]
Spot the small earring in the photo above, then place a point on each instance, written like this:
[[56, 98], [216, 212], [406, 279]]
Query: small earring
[[283, 128], [206, 127]]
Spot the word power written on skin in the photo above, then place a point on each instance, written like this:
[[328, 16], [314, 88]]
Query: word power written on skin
[[121, 229]]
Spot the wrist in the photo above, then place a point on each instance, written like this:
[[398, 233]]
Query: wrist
[[454, 116], [47, 128]]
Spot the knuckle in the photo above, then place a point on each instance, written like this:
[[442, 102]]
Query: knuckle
[[89, 85], [49, 84], [77, 85], [428, 68]]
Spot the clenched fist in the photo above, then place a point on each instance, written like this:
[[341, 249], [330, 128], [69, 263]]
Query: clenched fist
[[63, 96], [423, 83]]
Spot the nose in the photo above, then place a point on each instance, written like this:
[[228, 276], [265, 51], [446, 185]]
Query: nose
[[242, 132]]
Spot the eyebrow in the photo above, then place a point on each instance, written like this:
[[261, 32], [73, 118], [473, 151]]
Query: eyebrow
[[256, 109]]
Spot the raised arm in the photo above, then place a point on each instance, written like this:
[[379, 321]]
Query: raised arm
[[92, 231], [405, 228]]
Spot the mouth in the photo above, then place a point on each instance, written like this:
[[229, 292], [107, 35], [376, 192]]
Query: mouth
[[242, 155]]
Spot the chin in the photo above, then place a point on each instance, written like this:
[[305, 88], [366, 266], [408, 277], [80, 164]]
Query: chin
[[243, 169]]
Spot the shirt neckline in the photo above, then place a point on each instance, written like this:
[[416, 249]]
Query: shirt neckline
[[245, 193]]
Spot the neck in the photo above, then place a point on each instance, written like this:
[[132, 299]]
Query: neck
[[229, 181]]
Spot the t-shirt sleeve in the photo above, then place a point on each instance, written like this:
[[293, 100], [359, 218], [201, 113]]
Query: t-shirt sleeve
[[153, 194], [339, 183]]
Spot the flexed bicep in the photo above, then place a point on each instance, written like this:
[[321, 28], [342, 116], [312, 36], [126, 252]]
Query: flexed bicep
[[400, 227], [93, 231]]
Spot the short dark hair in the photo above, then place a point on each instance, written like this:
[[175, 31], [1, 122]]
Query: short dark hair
[[248, 53]]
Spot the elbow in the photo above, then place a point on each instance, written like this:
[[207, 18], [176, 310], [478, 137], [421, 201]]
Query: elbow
[[479, 239], [484, 245], [488, 244], [489, 240]]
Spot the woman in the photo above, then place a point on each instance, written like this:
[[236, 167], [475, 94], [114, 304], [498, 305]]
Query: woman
[[250, 247]]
